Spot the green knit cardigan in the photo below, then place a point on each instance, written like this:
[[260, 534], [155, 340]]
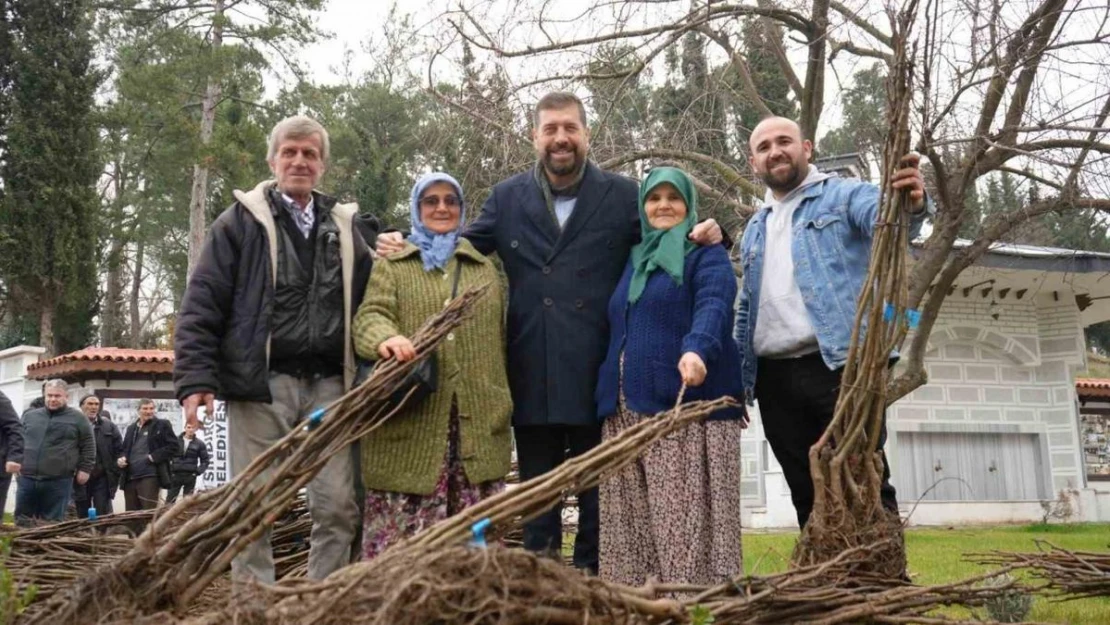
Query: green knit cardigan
[[407, 453]]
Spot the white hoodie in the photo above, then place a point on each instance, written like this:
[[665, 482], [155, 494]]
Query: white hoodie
[[782, 325]]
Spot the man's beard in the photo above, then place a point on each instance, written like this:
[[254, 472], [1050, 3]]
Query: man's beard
[[561, 170], [790, 183]]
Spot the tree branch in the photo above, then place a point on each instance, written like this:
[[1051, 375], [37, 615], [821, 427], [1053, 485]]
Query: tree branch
[[861, 23], [814, 94], [721, 168], [848, 46], [779, 52], [743, 69], [1030, 176], [694, 19]]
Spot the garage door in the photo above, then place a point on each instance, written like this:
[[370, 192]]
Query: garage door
[[951, 466]]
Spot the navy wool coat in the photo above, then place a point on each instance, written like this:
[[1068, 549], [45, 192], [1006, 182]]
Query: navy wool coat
[[559, 288]]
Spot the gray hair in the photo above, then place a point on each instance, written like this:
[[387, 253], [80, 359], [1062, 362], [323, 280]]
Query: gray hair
[[56, 383], [298, 127]]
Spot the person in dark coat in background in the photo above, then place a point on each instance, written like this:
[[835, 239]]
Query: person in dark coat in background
[[11, 447], [35, 404], [149, 442], [58, 445], [192, 462], [563, 231], [104, 479]]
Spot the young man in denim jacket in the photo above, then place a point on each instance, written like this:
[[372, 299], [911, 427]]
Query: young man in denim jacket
[[805, 256]]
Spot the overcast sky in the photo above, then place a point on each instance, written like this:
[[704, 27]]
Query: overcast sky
[[352, 23]]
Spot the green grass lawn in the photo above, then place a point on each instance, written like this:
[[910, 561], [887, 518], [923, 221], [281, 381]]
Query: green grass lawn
[[936, 556]]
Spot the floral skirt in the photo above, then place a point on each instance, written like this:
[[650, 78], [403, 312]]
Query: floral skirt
[[392, 516], [673, 514]]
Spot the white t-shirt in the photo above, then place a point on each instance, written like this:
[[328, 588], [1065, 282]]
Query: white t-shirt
[[782, 326]]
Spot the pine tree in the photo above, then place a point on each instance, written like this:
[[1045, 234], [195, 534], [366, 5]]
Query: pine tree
[[863, 127], [47, 244]]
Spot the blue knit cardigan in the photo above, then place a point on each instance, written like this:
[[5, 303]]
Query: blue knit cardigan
[[667, 321]]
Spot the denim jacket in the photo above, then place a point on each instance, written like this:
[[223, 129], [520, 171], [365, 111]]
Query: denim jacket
[[832, 229]]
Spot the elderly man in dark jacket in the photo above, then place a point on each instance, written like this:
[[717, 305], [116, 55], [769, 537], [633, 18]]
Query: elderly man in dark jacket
[[11, 447], [192, 462], [58, 446], [563, 231], [149, 446], [266, 325], [101, 487]]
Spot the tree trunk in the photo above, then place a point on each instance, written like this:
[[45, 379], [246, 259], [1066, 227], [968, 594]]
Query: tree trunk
[[199, 196], [136, 290], [46, 329], [110, 318], [814, 94]]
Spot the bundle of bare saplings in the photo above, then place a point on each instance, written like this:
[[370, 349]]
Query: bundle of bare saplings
[[55, 556], [1075, 574], [191, 545], [846, 464], [435, 577]]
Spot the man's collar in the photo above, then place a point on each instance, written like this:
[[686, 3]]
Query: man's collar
[[290, 201], [321, 203]]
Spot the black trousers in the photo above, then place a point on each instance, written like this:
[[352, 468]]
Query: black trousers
[[98, 491], [183, 483], [797, 398], [539, 449]]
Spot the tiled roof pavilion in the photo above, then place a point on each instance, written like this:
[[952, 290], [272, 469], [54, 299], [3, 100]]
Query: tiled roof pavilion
[[105, 362], [1092, 388]]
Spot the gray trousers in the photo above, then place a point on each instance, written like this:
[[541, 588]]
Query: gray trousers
[[254, 427]]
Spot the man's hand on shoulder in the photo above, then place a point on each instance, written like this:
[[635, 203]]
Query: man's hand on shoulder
[[707, 232], [909, 178], [390, 243]]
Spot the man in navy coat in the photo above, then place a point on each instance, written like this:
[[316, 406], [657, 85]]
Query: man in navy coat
[[563, 231]]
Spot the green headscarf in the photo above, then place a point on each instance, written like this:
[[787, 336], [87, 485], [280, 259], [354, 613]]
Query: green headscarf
[[663, 249]]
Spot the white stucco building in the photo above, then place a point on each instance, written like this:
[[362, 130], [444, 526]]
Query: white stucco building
[[996, 429]]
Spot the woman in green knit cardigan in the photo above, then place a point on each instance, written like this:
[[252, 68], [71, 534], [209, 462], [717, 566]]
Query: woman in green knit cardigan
[[452, 449]]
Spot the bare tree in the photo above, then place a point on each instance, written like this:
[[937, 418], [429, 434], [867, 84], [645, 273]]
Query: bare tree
[[1015, 87]]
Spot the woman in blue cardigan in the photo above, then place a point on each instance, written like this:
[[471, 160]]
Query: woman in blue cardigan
[[674, 514]]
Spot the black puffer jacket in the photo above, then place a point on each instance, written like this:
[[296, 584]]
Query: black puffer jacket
[[194, 458], [224, 325], [109, 447]]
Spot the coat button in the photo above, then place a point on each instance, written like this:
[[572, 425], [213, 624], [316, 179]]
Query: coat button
[[581, 273], [547, 301], [546, 270], [514, 245], [450, 336], [579, 303]]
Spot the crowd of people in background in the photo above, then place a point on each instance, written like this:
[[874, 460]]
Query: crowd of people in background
[[72, 461]]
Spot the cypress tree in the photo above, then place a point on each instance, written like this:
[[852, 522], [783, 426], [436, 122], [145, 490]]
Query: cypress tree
[[49, 172]]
